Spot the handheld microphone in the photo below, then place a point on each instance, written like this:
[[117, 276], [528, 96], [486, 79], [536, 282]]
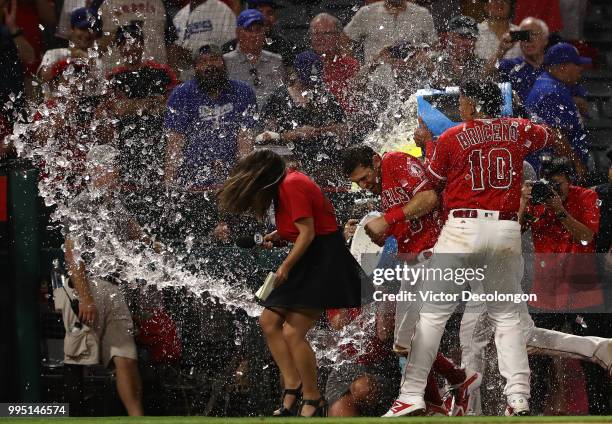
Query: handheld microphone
[[249, 242]]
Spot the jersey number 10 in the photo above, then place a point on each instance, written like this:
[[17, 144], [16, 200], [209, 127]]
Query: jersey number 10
[[499, 169]]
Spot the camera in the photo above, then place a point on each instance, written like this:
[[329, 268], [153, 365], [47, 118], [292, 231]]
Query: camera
[[542, 190]]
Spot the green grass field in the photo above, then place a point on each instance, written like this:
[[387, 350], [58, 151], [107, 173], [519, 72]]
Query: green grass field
[[208, 420]]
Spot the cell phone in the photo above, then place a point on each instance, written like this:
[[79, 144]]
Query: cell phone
[[520, 36]]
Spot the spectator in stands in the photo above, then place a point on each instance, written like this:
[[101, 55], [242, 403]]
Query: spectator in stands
[[383, 24], [102, 306], [458, 61], [85, 28], [204, 22], [441, 11], [564, 224], [495, 30], [551, 100], [249, 62], [363, 383], [139, 91], [152, 17], [522, 72], [275, 43], [546, 10], [339, 67], [15, 54], [309, 120], [208, 122]]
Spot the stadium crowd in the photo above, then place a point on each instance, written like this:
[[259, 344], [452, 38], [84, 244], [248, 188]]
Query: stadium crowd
[[172, 93]]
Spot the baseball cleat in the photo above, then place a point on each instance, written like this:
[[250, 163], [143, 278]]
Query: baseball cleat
[[401, 409], [433, 410], [463, 393], [518, 406]]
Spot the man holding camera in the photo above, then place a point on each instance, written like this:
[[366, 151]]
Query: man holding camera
[[564, 220]]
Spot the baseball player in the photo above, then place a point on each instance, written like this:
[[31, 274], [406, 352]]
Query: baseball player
[[479, 165], [402, 183], [476, 330]]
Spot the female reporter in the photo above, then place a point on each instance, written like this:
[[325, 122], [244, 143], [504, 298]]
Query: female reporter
[[318, 273]]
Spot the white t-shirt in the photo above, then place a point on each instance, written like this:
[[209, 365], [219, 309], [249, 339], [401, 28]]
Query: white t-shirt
[[152, 13], [55, 55], [212, 22], [63, 26], [379, 29], [488, 43]]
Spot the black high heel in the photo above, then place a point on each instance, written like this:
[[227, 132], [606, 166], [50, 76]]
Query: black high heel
[[293, 409], [321, 409]]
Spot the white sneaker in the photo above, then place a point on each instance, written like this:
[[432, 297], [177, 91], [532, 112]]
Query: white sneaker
[[400, 408], [463, 393], [517, 406]]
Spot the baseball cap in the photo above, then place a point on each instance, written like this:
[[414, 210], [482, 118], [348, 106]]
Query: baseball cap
[[309, 68], [86, 18], [208, 49], [248, 17], [255, 3], [463, 25], [564, 53]]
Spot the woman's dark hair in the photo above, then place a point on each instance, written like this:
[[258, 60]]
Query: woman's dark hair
[[486, 94], [355, 156], [253, 184], [559, 165]]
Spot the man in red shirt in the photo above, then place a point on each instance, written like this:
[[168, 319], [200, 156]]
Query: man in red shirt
[[564, 222], [326, 38]]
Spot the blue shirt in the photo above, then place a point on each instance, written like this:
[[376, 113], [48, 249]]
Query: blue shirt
[[551, 101], [522, 75], [210, 127]]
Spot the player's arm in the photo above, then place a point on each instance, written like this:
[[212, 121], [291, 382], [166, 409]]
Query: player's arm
[[421, 204]]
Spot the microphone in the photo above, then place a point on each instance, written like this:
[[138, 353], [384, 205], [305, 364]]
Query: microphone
[[250, 241]]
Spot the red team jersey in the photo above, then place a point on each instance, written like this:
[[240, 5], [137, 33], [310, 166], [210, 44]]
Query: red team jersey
[[402, 177], [481, 162]]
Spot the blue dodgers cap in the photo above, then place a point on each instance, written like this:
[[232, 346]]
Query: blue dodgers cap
[[564, 53], [86, 18], [309, 68], [249, 17]]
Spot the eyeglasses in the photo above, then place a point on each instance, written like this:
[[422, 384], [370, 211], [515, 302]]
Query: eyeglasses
[[255, 76]]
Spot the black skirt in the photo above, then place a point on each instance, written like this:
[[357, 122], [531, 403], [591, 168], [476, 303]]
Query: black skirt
[[326, 276]]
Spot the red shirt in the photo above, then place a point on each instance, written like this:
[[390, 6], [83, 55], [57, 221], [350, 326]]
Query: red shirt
[[402, 177], [336, 74], [546, 10], [375, 350], [481, 162], [561, 280], [299, 197]]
